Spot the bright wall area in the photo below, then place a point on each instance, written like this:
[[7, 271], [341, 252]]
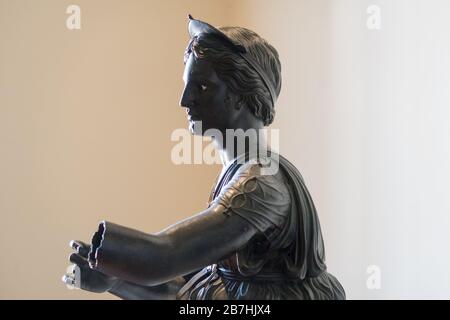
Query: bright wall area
[[364, 114]]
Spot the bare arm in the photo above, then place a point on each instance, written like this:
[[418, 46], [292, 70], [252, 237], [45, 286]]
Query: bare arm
[[187, 246]]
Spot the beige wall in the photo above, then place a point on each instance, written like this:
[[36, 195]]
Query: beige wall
[[85, 124], [86, 117]]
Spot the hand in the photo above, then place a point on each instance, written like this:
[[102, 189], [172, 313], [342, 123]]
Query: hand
[[83, 276]]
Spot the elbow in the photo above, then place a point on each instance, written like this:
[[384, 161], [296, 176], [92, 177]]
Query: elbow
[[131, 255]]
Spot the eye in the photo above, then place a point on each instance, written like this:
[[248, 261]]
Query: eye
[[203, 87]]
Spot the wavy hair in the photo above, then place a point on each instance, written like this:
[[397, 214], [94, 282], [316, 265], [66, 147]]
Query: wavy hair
[[239, 76]]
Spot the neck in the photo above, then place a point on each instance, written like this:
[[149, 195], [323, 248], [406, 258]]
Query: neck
[[234, 144]]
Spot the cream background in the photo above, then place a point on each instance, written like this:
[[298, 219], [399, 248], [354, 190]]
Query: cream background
[[86, 118]]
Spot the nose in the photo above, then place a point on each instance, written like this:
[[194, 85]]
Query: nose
[[187, 99]]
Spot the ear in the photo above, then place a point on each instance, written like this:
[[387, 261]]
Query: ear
[[233, 101]]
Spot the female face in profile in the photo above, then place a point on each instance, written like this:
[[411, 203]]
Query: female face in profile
[[206, 98]]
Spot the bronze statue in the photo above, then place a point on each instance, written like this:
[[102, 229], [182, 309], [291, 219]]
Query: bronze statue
[[260, 236]]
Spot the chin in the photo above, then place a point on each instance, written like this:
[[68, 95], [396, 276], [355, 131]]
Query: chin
[[195, 128]]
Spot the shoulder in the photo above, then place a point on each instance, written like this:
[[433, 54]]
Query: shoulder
[[260, 197], [254, 185], [265, 169]]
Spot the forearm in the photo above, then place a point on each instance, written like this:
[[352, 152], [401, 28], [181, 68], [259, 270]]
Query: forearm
[[131, 291], [151, 260], [130, 255]]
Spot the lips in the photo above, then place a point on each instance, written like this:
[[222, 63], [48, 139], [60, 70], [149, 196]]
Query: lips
[[192, 116]]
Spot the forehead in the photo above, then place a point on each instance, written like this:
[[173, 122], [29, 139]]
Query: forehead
[[199, 69]]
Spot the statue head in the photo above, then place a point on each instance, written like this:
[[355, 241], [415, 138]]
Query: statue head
[[232, 78]]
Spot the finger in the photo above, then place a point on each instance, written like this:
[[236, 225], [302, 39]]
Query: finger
[[72, 269], [68, 279], [80, 247], [76, 244], [75, 269], [78, 259]]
